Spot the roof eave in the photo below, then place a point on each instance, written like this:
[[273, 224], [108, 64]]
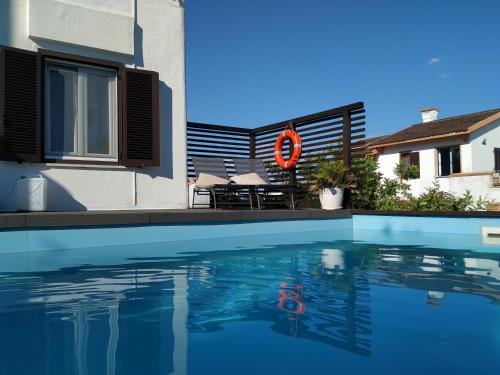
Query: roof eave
[[420, 140], [469, 130]]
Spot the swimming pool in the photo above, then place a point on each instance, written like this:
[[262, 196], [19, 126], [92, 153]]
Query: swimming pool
[[253, 298]]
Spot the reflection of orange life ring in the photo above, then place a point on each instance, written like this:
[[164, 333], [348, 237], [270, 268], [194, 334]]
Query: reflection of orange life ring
[[294, 297], [278, 149]]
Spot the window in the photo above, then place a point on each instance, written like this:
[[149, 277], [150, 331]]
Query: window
[[449, 160], [411, 159], [57, 106], [496, 152], [80, 112]]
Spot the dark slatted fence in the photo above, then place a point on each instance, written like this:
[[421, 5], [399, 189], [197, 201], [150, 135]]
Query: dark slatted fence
[[336, 133], [217, 141]]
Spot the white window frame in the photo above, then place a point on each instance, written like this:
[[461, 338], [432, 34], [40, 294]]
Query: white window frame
[[449, 148], [80, 148]]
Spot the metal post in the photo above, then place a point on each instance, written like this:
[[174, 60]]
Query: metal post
[[346, 139], [346, 152], [252, 145], [292, 172]]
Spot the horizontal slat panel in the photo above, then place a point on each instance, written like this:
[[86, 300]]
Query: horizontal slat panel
[[261, 140], [223, 154], [214, 128], [192, 146], [209, 136], [321, 134], [243, 142], [314, 117]]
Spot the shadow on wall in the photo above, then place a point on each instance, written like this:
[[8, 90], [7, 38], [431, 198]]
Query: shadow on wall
[[138, 37], [166, 115], [78, 50], [166, 124], [58, 197]]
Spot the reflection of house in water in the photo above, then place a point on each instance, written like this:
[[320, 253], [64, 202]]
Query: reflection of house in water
[[483, 267], [95, 321], [439, 271]]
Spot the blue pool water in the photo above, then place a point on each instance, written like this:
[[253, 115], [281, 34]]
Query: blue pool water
[[304, 303]]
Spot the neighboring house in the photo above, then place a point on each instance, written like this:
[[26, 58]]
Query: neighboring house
[[92, 97], [461, 153]]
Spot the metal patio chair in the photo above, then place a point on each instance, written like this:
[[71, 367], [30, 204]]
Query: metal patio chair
[[221, 193], [267, 192]]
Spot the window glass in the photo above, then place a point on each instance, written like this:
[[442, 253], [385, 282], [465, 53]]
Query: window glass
[[62, 111], [98, 119], [444, 158], [449, 161], [81, 111]]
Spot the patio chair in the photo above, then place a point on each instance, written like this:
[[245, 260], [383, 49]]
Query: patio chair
[[264, 188], [212, 178]]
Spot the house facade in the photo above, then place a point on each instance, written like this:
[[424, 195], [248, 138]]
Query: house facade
[[92, 98], [461, 153]]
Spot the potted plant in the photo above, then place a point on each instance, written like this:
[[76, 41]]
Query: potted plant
[[329, 179]]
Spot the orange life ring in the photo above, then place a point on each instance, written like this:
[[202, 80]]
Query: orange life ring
[[297, 149]]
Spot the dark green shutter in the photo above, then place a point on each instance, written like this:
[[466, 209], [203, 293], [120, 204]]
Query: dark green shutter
[[496, 153], [20, 135], [141, 116]]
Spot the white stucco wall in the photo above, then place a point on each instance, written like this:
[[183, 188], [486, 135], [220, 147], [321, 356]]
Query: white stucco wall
[[107, 25], [428, 163], [482, 143], [478, 186], [157, 40], [474, 157]]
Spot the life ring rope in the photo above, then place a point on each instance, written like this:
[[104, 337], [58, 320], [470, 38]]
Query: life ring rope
[[297, 148]]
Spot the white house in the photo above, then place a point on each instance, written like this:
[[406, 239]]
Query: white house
[[461, 153], [92, 97]]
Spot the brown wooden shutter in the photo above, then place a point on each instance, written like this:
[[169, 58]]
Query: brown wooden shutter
[[415, 159], [141, 117], [20, 136]]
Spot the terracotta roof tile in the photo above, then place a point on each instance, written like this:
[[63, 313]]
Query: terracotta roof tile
[[456, 124]]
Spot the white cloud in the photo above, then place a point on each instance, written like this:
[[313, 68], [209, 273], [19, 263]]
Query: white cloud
[[444, 75], [434, 60]]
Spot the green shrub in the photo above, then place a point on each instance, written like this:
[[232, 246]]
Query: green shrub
[[393, 195], [406, 171], [368, 180], [436, 200], [373, 192], [331, 174]]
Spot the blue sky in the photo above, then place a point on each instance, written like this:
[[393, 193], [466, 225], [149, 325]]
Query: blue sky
[[255, 62]]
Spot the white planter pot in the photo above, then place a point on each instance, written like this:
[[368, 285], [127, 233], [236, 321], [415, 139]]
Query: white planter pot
[[331, 199]]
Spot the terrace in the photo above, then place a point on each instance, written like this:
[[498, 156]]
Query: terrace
[[332, 133]]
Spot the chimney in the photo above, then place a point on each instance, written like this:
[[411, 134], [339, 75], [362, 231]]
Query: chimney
[[429, 114]]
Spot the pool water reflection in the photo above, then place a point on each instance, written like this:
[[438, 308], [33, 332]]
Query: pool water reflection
[[313, 307]]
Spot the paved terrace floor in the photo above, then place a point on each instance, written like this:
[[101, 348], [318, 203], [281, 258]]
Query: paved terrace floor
[[146, 217]]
